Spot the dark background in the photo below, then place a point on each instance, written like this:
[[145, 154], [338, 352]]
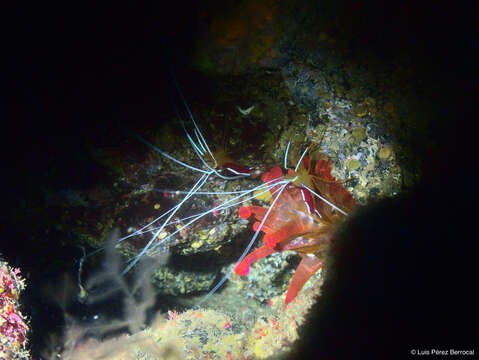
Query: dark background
[[80, 69]]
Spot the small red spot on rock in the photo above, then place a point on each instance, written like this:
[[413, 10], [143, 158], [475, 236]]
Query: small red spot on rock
[[244, 212]]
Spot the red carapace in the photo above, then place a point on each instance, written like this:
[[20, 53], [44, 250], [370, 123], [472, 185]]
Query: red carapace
[[302, 219]]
